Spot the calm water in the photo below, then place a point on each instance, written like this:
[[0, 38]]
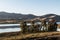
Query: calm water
[[2, 30], [9, 30]]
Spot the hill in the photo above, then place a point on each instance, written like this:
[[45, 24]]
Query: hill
[[6, 15], [54, 16]]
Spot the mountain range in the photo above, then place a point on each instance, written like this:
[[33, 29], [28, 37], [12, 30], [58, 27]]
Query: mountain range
[[6, 15]]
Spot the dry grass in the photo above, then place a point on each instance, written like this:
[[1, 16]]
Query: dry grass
[[31, 35], [58, 25]]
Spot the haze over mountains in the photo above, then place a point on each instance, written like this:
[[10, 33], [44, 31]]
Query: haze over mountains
[[5, 15]]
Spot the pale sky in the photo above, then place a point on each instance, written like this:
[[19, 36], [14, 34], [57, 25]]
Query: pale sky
[[36, 7]]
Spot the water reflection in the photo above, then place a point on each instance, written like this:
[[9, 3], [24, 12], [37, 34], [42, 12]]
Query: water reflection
[[9, 30], [58, 29], [9, 25], [15, 28]]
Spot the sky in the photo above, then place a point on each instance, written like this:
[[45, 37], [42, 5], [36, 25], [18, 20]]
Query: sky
[[36, 7]]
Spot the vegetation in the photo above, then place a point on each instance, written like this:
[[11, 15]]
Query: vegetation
[[19, 36]]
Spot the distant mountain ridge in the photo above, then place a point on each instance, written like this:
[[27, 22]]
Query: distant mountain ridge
[[57, 17], [6, 15]]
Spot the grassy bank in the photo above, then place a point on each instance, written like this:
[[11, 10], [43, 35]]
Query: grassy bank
[[19, 36]]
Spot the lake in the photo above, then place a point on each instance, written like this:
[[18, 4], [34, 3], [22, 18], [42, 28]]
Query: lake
[[12, 28], [9, 30]]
